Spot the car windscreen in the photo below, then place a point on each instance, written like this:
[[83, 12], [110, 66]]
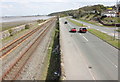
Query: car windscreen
[[84, 28]]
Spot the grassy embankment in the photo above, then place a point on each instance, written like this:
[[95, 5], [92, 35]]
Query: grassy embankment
[[118, 30], [103, 36], [52, 69], [109, 19], [91, 22], [106, 20], [98, 24], [87, 19], [33, 25], [9, 25], [47, 58], [20, 33], [78, 24]]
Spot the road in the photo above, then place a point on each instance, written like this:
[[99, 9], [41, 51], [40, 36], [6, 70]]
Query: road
[[85, 56], [107, 30]]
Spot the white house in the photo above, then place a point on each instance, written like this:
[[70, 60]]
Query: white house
[[109, 13]]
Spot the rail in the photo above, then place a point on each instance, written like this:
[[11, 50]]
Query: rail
[[16, 67]]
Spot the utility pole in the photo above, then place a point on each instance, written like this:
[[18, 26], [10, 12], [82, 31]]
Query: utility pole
[[114, 30], [79, 12], [117, 11]]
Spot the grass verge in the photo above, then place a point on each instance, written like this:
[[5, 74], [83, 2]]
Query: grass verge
[[18, 34], [9, 25], [88, 22], [4, 40], [52, 69], [118, 30], [105, 37], [78, 24], [94, 23], [47, 58]]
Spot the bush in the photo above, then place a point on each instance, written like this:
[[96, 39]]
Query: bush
[[118, 20], [11, 32], [39, 21], [87, 16], [27, 26]]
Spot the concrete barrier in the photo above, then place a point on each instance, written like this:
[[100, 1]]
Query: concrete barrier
[[5, 34], [14, 30]]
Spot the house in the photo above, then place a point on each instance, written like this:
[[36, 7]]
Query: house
[[109, 13]]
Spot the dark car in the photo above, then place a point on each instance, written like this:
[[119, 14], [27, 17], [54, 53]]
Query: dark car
[[65, 22], [83, 30], [73, 30]]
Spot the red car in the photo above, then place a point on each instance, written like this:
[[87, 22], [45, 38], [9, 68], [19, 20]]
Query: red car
[[73, 30], [83, 30]]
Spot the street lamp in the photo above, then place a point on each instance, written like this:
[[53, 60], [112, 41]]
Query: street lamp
[[114, 30]]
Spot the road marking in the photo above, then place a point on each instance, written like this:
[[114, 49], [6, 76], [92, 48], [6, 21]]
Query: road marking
[[70, 25], [111, 62], [103, 31], [116, 66], [87, 65], [91, 74], [89, 27], [85, 38]]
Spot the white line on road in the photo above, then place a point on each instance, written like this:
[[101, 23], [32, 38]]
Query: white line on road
[[91, 74], [87, 65], [111, 62], [89, 27], [85, 38], [70, 25], [104, 56], [116, 66], [103, 31]]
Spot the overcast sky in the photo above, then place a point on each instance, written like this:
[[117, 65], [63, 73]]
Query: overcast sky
[[44, 7]]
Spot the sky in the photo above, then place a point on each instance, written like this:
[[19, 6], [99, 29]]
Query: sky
[[45, 7]]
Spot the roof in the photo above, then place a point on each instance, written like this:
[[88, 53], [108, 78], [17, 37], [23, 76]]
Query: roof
[[109, 12]]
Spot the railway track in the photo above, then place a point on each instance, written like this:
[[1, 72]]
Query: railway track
[[8, 48], [16, 67]]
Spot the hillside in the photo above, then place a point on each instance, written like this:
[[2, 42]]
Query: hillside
[[96, 9], [91, 14]]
